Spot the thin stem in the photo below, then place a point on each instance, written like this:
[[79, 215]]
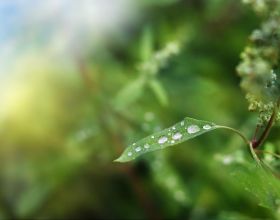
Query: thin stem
[[275, 173], [237, 132], [267, 152], [266, 131], [255, 156], [254, 139], [268, 128], [256, 132], [249, 143]]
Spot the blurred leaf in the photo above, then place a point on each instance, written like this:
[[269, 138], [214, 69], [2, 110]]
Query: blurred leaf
[[169, 181], [159, 91], [180, 132], [146, 45], [32, 199], [261, 184], [130, 93], [269, 147]]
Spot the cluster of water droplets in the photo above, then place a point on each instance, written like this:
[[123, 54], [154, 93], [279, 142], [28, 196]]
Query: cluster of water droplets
[[171, 137]]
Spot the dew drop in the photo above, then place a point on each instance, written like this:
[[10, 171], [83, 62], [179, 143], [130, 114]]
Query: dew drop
[[172, 142], [193, 129], [146, 146], [162, 140], [138, 149], [207, 127], [177, 136], [152, 136], [129, 154], [173, 128], [134, 144]]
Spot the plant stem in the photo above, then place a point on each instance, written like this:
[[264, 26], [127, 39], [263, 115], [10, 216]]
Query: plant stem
[[253, 153], [269, 125], [267, 152], [266, 131], [246, 140], [237, 132]]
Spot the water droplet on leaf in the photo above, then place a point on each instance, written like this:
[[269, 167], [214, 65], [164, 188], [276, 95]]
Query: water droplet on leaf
[[162, 140], [177, 136], [182, 131], [207, 127], [193, 129]]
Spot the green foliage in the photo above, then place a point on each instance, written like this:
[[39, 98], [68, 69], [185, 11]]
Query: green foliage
[[260, 74], [169, 180], [263, 186], [148, 70], [64, 120], [262, 6]]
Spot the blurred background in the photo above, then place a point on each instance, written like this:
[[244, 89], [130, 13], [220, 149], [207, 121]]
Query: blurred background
[[80, 80]]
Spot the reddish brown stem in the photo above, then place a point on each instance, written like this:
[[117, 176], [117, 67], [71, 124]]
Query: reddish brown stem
[[266, 131], [260, 141]]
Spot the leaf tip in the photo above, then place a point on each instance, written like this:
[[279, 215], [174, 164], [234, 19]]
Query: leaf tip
[[118, 160], [121, 159]]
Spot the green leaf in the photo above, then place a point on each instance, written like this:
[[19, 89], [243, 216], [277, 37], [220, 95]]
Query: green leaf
[[147, 43], [130, 93], [180, 132], [159, 91], [262, 185]]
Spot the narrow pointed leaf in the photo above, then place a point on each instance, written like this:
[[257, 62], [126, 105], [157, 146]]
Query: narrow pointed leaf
[[130, 93], [180, 132], [159, 91], [147, 44]]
